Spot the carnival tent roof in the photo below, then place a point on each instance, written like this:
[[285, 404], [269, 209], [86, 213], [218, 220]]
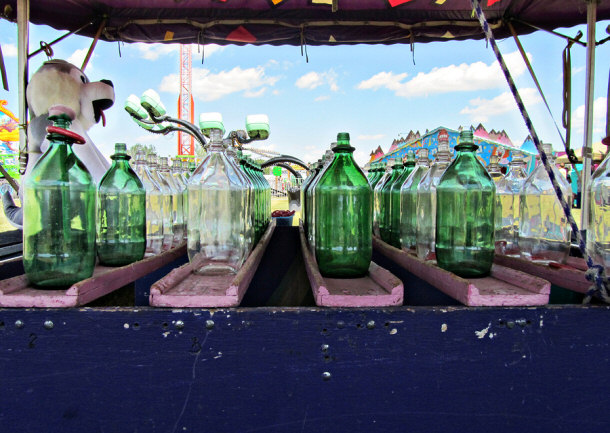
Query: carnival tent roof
[[298, 22]]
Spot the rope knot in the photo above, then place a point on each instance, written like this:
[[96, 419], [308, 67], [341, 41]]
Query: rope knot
[[597, 275]]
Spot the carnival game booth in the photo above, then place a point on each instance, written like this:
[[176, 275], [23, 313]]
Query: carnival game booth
[[415, 348]]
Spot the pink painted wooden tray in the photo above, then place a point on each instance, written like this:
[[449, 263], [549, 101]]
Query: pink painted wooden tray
[[379, 288], [570, 276], [504, 287], [17, 292], [182, 288]]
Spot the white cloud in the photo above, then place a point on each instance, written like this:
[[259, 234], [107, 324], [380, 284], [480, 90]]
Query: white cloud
[[452, 78], [209, 86], [9, 50], [78, 56], [254, 93], [154, 51], [599, 117], [322, 98], [371, 137], [482, 109], [313, 79]]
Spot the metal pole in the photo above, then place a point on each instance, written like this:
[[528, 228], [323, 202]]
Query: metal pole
[[587, 145], [23, 21]]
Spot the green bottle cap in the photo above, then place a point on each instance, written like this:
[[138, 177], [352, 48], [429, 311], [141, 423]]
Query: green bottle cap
[[343, 136], [410, 156], [120, 148]]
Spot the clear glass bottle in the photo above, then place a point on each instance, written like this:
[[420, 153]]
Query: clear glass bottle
[[177, 205], [181, 181], [598, 232], [465, 214], [166, 202], [494, 169], [326, 160], [393, 214], [343, 243], [217, 218], [378, 198], [121, 213], [154, 206], [426, 202], [59, 212], [247, 184], [544, 235], [408, 201], [507, 214]]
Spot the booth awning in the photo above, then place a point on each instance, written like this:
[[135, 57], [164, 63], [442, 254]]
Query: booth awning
[[297, 22]]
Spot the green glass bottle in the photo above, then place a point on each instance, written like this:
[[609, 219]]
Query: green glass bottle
[[343, 243], [393, 214], [378, 198], [311, 234], [59, 212], [121, 213], [466, 201], [373, 172], [408, 202], [380, 172], [313, 171], [266, 197], [384, 203]]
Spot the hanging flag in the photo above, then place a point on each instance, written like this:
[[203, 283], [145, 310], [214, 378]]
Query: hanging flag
[[240, 34]]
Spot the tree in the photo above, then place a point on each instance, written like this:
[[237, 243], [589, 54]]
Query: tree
[[146, 148]]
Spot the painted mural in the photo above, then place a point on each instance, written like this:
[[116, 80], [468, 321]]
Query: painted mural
[[490, 143]]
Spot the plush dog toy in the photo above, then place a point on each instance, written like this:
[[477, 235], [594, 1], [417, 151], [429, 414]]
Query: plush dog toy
[[61, 84]]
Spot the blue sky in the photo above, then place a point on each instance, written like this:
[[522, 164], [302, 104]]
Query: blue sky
[[376, 93]]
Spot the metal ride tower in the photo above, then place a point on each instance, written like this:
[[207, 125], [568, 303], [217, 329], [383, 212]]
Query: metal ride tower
[[186, 142]]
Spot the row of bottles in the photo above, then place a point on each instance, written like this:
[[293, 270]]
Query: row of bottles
[[166, 201], [138, 212], [476, 211], [337, 204], [229, 206]]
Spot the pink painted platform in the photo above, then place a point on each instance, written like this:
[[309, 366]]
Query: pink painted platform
[[182, 288], [17, 292], [504, 287], [380, 288], [570, 276]]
